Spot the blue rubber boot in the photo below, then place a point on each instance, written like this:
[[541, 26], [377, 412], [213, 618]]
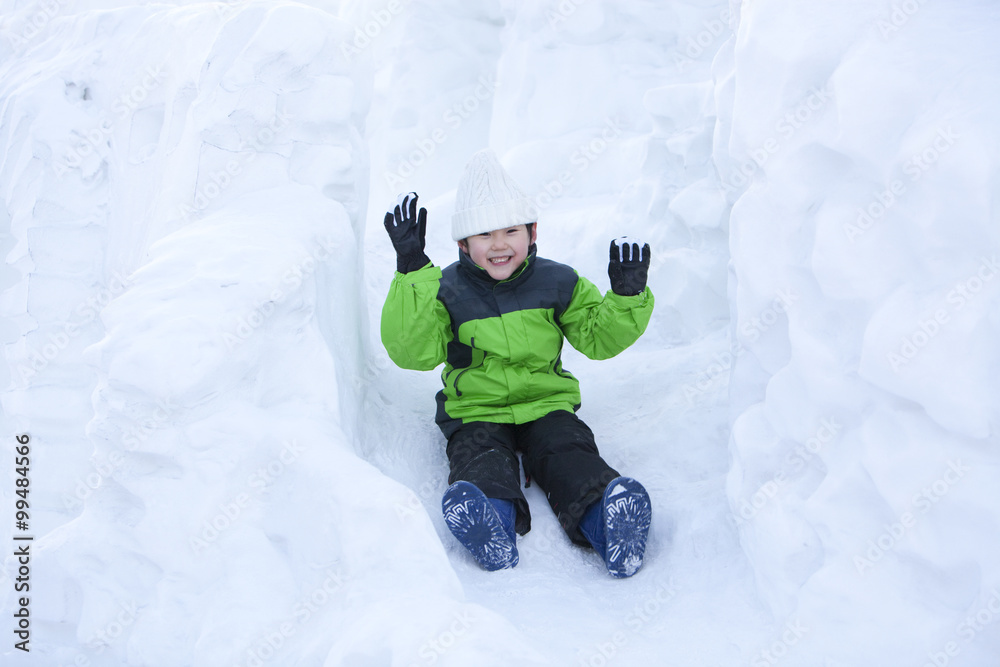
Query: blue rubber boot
[[618, 524], [484, 526]]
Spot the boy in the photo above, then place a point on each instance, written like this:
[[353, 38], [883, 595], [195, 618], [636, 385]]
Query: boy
[[497, 319]]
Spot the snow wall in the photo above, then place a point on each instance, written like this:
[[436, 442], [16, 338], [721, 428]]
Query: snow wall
[[859, 145], [186, 189]]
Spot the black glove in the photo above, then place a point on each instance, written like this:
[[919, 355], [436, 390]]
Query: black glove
[[407, 229], [629, 266]]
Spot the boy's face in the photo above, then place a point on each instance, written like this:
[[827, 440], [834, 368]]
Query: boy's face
[[502, 251]]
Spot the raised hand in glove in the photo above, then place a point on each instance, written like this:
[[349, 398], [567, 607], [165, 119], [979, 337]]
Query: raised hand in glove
[[407, 229], [629, 266]]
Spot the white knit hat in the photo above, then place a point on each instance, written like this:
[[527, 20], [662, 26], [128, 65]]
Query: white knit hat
[[488, 199]]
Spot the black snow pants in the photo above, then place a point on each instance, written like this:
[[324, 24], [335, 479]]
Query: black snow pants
[[558, 452]]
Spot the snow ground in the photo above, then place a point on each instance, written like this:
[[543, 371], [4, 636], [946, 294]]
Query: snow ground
[[226, 468]]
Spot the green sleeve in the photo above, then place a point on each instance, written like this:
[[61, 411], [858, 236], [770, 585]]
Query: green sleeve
[[601, 327], [415, 325]]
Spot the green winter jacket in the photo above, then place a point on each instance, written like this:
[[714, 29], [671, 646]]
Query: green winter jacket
[[501, 342]]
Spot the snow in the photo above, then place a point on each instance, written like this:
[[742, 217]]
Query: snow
[[864, 414], [226, 468]]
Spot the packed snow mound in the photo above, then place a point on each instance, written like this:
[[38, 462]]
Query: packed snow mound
[[862, 158], [202, 185]]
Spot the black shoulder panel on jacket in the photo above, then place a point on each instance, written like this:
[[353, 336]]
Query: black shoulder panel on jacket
[[466, 299], [549, 285]]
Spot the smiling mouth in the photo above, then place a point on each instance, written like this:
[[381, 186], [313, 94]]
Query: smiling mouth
[[500, 261]]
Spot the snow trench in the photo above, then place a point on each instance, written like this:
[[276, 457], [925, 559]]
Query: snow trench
[[227, 470]]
